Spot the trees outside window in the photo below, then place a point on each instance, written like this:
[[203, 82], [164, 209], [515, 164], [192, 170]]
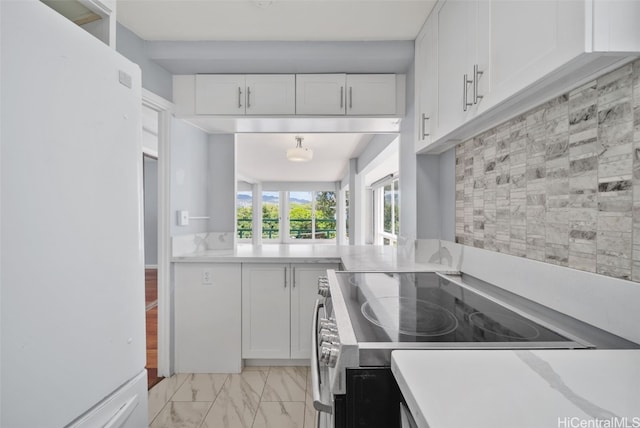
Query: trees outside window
[[308, 215], [244, 214]]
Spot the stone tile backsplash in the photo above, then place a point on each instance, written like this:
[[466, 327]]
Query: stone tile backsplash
[[560, 183]]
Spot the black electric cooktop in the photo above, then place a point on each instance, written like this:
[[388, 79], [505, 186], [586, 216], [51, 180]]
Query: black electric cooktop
[[424, 307]]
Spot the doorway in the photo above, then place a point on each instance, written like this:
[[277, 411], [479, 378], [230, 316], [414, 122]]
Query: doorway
[[150, 198]]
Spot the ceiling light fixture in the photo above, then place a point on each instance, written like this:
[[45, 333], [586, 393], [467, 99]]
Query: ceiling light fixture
[[299, 153]]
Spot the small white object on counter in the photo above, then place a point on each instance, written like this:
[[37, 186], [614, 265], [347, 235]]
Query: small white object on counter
[[523, 388]]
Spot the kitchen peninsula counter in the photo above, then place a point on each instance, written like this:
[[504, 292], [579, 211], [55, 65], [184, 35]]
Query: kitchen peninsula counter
[[352, 257]]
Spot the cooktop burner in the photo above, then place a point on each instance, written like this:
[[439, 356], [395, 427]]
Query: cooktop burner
[[424, 307], [425, 318]]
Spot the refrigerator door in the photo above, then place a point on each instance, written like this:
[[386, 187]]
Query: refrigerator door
[[125, 408], [71, 258]]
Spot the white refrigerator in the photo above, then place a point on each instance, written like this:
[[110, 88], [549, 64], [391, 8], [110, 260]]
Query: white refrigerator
[[71, 260]]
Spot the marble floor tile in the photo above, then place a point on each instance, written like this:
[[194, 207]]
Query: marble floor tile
[[310, 417], [200, 387], [181, 414], [285, 384], [161, 393], [238, 401], [280, 415]]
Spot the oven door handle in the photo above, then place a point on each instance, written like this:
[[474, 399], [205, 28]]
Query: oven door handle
[[318, 404]]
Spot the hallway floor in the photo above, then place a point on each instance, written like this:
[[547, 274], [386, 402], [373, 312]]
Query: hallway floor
[[259, 397]]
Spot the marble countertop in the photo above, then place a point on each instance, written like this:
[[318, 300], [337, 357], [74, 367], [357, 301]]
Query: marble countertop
[[353, 257], [524, 389]]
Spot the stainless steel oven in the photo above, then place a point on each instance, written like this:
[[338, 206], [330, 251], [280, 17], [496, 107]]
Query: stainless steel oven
[[361, 317]]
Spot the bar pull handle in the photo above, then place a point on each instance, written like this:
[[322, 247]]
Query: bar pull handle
[[465, 85], [341, 96], [476, 76], [350, 97], [293, 277], [285, 277], [239, 97], [424, 126], [248, 97]]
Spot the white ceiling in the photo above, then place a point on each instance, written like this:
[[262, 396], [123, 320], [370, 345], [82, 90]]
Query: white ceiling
[[276, 20], [262, 157]]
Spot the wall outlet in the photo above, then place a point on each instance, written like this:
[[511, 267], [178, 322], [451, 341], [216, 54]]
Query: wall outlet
[[207, 276], [183, 218]]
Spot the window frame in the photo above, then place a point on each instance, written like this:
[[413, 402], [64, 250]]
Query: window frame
[[378, 188]]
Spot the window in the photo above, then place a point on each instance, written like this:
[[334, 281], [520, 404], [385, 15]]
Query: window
[[300, 215], [325, 215], [386, 194], [312, 215], [293, 216], [271, 215], [244, 214]]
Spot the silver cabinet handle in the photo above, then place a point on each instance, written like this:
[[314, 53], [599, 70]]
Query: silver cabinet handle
[[239, 97], [285, 277], [318, 404], [476, 75], [341, 96], [350, 97], [248, 97], [424, 126], [465, 84], [293, 277]]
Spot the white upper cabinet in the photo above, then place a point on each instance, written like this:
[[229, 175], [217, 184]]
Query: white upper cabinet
[[237, 94], [350, 94], [269, 94], [220, 94], [426, 100], [524, 41], [453, 59], [494, 59], [371, 94], [320, 94], [334, 94]]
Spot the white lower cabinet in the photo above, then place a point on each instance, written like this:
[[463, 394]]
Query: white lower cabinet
[[277, 308], [207, 300]]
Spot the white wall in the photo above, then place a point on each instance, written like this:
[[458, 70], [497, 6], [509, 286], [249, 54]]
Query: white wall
[[436, 196], [448, 195], [154, 78], [408, 173], [429, 224], [189, 175], [221, 194]]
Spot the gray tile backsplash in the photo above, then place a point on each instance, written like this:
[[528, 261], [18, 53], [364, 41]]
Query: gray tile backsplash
[[560, 183]]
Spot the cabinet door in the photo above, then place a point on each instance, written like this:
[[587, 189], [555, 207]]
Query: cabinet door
[[426, 86], [220, 94], [270, 94], [320, 94], [304, 292], [265, 310], [207, 318], [452, 65], [371, 94], [529, 39]]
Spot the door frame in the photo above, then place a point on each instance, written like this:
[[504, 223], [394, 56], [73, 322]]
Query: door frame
[[165, 111]]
